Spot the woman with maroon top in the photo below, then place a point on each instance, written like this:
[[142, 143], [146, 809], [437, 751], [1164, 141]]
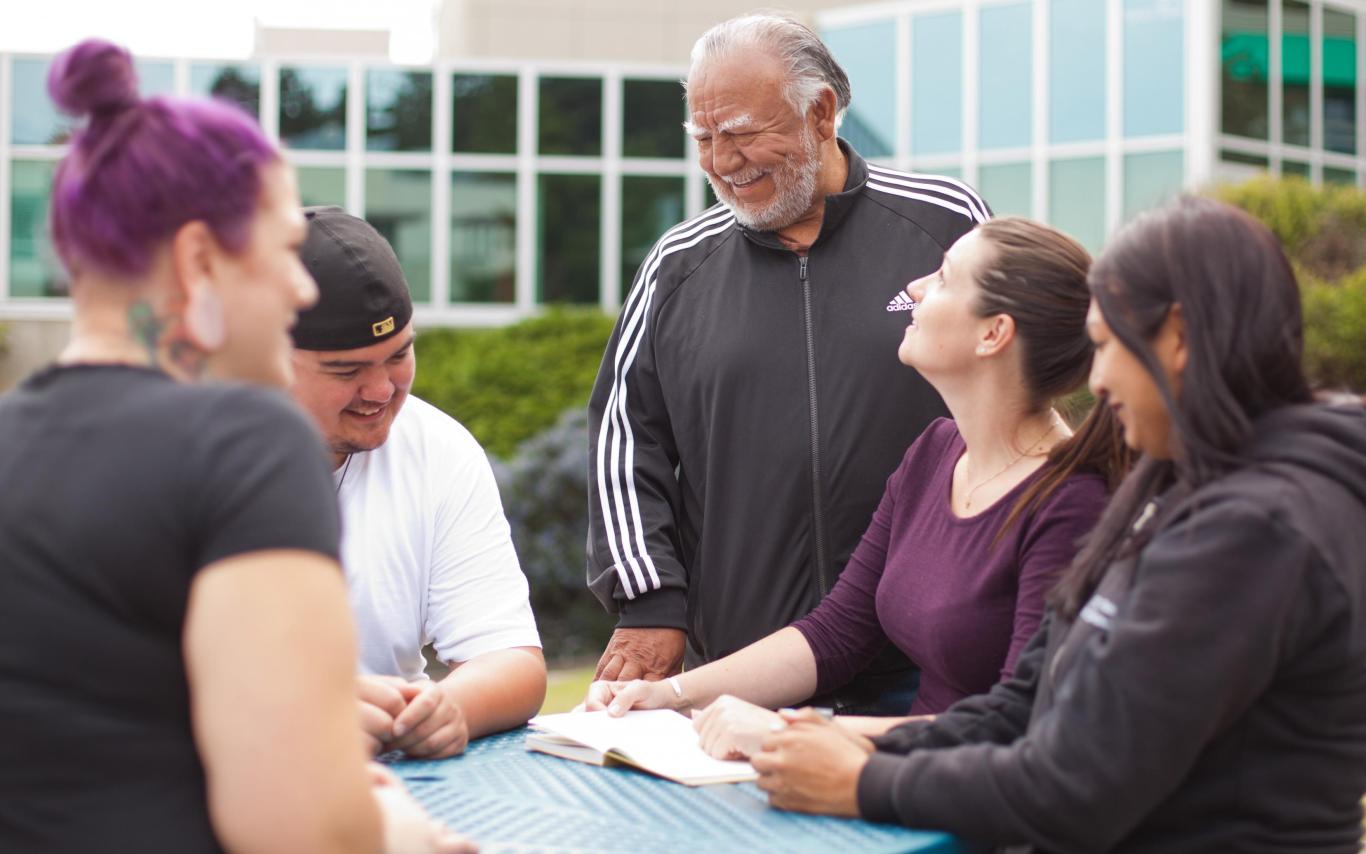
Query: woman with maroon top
[[976, 523]]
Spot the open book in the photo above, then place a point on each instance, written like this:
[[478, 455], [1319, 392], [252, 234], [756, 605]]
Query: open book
[[659, 741]]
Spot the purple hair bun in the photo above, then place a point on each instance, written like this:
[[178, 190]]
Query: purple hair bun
[[94, 78]]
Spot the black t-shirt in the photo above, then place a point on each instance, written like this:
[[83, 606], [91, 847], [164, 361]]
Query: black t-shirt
[[117, 485]]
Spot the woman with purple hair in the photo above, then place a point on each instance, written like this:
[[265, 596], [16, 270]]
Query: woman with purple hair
[[176, 654]]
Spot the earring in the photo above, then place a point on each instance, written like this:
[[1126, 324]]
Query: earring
[[204, 319]]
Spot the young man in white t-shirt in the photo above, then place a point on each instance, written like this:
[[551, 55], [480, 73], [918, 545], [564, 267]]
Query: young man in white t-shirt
[[425, 545]]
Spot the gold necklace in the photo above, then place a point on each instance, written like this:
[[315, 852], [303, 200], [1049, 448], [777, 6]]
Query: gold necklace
[[967, 502]]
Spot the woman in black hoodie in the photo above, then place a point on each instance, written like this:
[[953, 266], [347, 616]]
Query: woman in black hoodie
[[1199, 683]]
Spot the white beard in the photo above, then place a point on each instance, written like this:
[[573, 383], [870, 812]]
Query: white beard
[[794, 190]]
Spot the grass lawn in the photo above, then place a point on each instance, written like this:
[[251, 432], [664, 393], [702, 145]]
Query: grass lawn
[[566, 688]]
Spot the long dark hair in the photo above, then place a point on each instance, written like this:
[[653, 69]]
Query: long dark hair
[[1244, 336], [1037, 276]]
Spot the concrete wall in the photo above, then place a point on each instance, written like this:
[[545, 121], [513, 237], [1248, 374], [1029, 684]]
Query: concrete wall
[[646, 31], [28, 345]]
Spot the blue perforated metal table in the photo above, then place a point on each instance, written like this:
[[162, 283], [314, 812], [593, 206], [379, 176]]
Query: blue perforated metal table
[[508, 799]]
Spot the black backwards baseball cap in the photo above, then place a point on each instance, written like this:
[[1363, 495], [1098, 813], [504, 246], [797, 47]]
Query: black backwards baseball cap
[[362, 296]]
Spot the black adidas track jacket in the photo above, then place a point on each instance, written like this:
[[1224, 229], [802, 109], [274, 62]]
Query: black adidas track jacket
[[750, 406]]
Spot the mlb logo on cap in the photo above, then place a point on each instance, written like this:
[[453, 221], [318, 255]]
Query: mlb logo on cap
[[384, 327]]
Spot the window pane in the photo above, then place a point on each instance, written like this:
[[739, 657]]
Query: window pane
[[398, 203], [398, 110], [1295, 72], [571, 115], [154, 78], [1235, 166], [1339, 81], [35, 121], [1333, 175], [652, 118], [1295, 169], [322, 186], [1006, 101], [1151, 180], [1076, 204], [484, 113], [483, 237], [868, 55], [1009, 186], [1154, 61], [649, 207], [1076, 70], [1243, 50], [936, 83], [313, 108], [240, 84], [34, 270], [567, 238]]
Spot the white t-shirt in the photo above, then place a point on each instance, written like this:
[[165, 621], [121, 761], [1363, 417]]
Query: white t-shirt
[[427, 550]]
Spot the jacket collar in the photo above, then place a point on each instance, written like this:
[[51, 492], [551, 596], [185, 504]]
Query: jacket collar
[[837, 205]]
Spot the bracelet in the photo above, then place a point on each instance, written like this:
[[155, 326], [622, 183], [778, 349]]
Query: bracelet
[[678, 689]]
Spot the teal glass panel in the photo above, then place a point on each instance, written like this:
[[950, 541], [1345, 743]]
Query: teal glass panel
[[567, 238], [652, 119], [1008, 187], [1339, 81], [867, 53], [154, 78], [398, 203], [1154, 67], [1244, 68], [570, 116], [34, 120], [398, 110], [1076, 205], [238, 84], [1152, 179], [1076, 71], [484, 114], [483, 246], [1006, 88], [313, 108], [937, 83], [34, 270], [1342, 177], [1295, 72], [650, 205], [1295, 169], [321, 186]]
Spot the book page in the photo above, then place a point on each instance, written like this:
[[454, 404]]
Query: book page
[[658, 740]]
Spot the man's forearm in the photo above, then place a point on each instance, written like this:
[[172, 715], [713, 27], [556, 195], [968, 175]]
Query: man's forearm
[[498, 690]]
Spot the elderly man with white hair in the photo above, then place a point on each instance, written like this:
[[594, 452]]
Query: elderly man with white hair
[[750, 404]]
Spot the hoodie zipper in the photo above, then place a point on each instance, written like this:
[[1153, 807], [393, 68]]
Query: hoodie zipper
[[817, 507]]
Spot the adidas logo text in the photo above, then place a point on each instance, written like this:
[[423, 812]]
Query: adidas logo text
[[901, 302]]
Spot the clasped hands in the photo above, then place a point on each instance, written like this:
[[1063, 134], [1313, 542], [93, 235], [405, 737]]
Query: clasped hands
[[805, 762], [419, 718]]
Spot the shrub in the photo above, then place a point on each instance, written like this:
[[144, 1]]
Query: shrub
[[1324, 233], [1335, 330], [508, 384], [1324, 230], [545, 494]]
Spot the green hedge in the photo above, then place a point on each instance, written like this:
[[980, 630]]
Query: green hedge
[[509, 384], [1324, 232]]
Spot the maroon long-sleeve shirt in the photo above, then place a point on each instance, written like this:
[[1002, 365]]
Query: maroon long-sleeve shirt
[[959, 602]]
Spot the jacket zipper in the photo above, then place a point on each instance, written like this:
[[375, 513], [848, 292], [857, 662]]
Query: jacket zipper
[[818, 511]]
